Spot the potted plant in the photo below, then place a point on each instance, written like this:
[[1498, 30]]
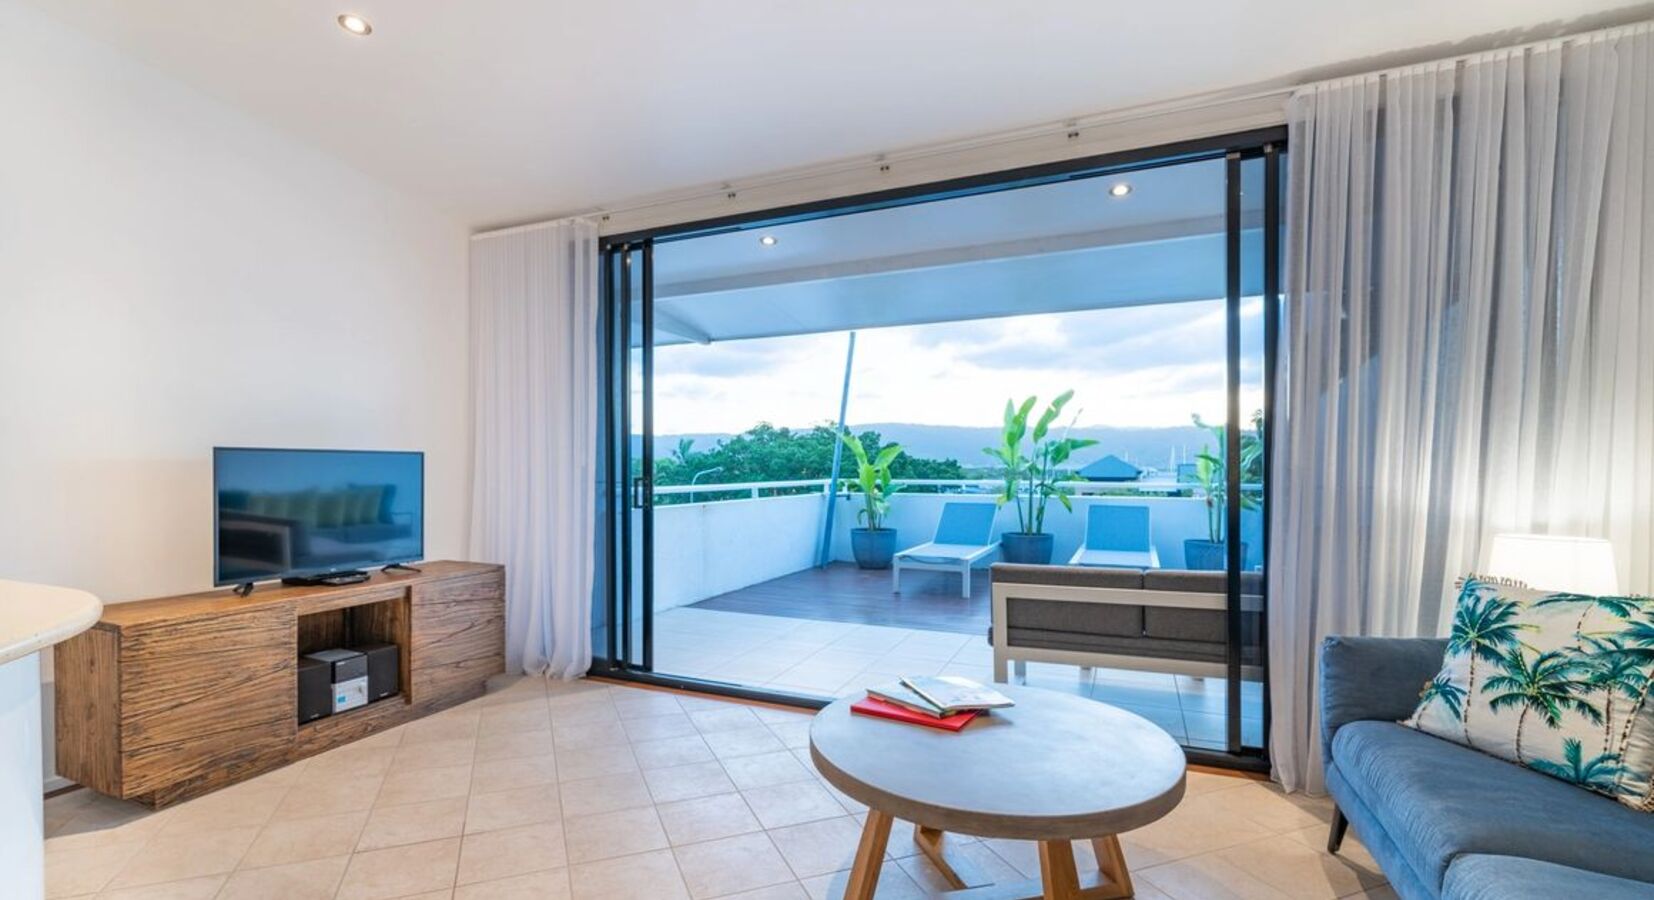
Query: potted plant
[[873, 545], [1212, 478], [1031, 477]]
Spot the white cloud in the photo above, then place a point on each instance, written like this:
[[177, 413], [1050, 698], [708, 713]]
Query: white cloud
[[1138, 366]]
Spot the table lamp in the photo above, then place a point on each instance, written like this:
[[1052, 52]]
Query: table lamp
[[1550, 562]]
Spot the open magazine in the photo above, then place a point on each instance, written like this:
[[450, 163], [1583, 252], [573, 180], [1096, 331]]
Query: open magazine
[[940, 695]]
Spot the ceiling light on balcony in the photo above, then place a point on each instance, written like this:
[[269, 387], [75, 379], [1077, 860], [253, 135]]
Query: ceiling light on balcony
[[355, 24], [767, 240], [1119, 189]]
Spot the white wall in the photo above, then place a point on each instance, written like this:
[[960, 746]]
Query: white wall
[[706, 549], [174, 275]]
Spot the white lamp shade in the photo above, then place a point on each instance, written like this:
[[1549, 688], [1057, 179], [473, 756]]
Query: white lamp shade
[[1547, 562]]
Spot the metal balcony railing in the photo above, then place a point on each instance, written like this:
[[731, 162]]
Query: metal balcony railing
[[753, 490]]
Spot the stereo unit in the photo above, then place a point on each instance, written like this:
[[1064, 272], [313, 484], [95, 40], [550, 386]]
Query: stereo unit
[[383, 671], [349, 678], [315, 689]]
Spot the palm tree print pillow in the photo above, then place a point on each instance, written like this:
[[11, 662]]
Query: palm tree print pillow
[[1556, 682]]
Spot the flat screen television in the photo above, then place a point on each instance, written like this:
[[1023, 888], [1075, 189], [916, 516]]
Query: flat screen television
[[297, 514]]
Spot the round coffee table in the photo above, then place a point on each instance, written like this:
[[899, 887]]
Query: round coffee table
[[1055, 768]]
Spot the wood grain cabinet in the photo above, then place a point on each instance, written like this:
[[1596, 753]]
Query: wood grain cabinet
[[169, 698]]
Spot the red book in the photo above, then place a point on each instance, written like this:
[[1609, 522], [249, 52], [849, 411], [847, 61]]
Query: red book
[[872, 706]]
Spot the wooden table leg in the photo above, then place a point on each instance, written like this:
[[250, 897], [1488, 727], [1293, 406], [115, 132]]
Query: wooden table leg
[[1111, 864], [864, 875], [1058, 876], [958, 871]]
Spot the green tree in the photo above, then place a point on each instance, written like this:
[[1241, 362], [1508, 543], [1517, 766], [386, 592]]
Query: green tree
[[769, 453], [1484, 627], [1598, 774], [1551, 683]]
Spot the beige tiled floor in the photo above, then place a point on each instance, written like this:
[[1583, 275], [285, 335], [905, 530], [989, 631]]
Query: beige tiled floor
[[589, 790]]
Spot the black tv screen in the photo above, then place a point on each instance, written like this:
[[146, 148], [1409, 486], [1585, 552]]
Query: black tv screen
[[281, 513]]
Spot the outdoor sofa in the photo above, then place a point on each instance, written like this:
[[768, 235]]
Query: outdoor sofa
[[1160, 620]]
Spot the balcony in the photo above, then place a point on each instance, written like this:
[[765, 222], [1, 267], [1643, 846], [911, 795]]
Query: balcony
[[713, 540], [739, 596]]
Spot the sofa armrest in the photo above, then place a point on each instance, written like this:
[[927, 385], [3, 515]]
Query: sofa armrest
[[1373, 678]]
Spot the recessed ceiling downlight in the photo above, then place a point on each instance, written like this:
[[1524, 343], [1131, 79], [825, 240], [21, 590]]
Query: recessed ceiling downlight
[[1119, 189], [355, 24], [768, 240]]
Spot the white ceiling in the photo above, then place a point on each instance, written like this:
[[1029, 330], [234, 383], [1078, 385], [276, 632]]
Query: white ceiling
[[1177, 199], [506, 110], [1057, 247]]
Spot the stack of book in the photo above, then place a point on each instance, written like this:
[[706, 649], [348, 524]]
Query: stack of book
[[941, 701]]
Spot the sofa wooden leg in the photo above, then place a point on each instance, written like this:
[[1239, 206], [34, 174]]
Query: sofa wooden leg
[[1335, 837]]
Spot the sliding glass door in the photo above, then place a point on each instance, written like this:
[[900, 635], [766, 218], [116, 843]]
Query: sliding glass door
[[749, 361]]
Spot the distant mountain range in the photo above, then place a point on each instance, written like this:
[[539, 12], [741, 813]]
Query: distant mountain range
[[1149, 447]]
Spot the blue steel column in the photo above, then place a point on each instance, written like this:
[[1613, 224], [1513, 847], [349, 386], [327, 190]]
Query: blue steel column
[[824, 555]]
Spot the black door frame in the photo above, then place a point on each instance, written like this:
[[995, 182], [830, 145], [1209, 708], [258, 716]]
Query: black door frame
[[631, 492]]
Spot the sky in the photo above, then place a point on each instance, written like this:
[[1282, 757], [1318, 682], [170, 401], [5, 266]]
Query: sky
[[1141, 366]]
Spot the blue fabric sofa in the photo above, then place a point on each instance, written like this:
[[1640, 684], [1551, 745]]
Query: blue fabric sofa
[[1447, 822]]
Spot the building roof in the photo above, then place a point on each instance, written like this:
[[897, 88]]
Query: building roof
[[1111, 468]]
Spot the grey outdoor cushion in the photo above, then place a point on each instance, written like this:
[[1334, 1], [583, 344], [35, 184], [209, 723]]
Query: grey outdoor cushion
[[1206, 625], [1068, 576], [1198, 582], [1116, 619], [1124, 646]]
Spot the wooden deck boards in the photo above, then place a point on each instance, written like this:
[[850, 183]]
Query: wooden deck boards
[[843, 593]]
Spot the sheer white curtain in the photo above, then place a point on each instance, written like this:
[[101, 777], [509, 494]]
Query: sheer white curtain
[[534, 386], [1468, 341]]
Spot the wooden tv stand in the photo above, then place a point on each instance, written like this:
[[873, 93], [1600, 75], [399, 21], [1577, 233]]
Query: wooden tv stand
[[169, 698]]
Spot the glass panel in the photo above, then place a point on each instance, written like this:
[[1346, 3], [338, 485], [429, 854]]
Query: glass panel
[[1252, 386], [610, 487], [640, 455], [1112, 287]]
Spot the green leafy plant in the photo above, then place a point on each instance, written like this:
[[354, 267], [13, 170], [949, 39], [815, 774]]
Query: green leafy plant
[[1032, 476], [873, 479], [1212, 476]]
